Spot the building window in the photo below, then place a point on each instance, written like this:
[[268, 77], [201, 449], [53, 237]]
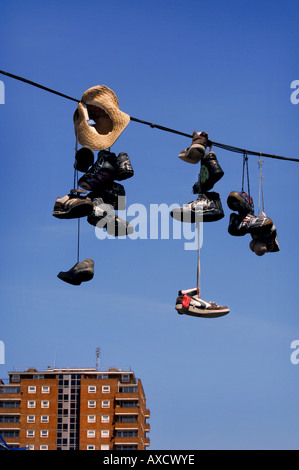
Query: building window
[[44, 434], [91, 403], [44, 419], [43, 447], [104, 433], [91, 434], [30, 433], [45, 404], [106, 389], [30, 419], [92, 389], [31, 389], [31, 404], [104, 447], [105, 419], [30, 447], [91, 419], [125, 378], [105, 403], [91, 447], [45, 389]]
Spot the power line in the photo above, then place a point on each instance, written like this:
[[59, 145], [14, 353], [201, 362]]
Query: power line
[[230, 148]]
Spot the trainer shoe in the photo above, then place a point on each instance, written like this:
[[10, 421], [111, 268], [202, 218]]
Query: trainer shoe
[[197, 149], [103, 216], [80, 272], [210, 173], [189, 303], [240, 202], [124, 168], [101, 173], [239, 225], [206, 208], [72, 206], [265, 242]]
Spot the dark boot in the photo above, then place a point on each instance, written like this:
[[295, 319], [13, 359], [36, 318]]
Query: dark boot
[[80, 272], [210, 173]]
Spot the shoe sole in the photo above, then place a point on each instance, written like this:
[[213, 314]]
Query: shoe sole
[[194, 154], [236, 203], [82, 276], [191, 311], [191, 218]]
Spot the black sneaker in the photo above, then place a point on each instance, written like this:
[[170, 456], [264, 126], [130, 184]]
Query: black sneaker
[[210, 173], [197, 149], [206, 208], [124, 168], [265, 242], [101, 173], [240, 225], [113, 194], [240, 202]]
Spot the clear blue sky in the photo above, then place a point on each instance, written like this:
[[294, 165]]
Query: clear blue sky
[[222, 67]]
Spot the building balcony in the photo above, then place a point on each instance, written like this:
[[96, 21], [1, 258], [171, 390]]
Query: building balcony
[[147, 414], [147, 442], [147, 427]]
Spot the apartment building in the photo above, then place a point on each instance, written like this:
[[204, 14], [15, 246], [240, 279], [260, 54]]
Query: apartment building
[[74, 409]]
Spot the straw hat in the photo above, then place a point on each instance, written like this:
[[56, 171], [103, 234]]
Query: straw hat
[[99, 104]]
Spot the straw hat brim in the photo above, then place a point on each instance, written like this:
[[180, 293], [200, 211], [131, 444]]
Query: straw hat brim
[[104, 98]]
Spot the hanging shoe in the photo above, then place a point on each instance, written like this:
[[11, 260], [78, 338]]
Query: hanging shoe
[[124, 168], [84, 158], [265, 243], [101, 173], [197, 149], [206, 208], [114, 195], [80, 272], [103, 216], [240, 225], [72, 206], [189, 303], [210, 173], [240, 202]]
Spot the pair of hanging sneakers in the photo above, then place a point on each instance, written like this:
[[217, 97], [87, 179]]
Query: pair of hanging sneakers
[[261, 227], [207, 207]]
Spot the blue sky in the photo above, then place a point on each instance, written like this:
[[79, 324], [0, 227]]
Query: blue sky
[[222, 67]]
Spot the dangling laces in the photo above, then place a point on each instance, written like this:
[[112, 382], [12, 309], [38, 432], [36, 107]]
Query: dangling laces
[[245, 166], [261, 191]]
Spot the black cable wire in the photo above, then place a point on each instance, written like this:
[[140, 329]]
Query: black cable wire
[[230, 148]]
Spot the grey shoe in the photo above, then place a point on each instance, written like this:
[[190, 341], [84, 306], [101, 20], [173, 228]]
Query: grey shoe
[[80, 272]]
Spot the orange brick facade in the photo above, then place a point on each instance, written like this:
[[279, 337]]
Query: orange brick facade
[[74, 409]]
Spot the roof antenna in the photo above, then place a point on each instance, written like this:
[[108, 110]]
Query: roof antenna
[[98, 358]]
